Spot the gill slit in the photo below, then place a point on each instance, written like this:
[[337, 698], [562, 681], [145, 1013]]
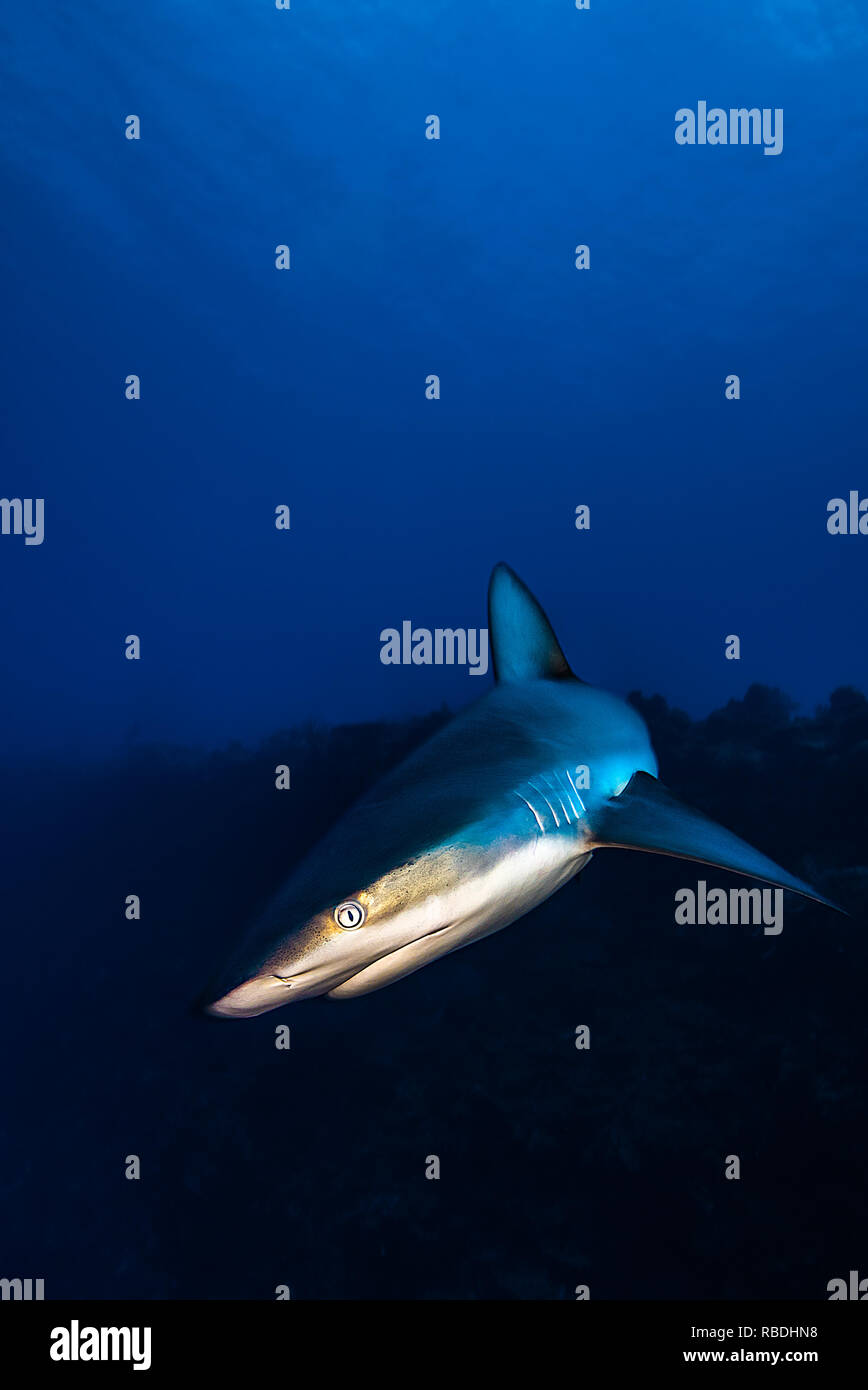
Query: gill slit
[[531, 783], [532, 811], [554, 785], [575, 789]]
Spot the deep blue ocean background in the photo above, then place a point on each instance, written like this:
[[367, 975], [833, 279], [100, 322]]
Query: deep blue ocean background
[[605, 387]]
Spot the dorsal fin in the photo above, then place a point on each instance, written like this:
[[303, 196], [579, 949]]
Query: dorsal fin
[[523, 643]]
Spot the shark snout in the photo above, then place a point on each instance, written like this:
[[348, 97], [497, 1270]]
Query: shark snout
[[263, 992], [255, 996]]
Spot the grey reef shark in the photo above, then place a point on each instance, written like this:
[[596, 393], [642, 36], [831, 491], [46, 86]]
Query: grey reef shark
[[480, 824]]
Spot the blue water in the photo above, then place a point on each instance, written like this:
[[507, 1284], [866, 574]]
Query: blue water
[[408, 257], [306, 387]]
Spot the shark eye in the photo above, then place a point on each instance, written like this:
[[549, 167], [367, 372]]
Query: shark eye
[[350, 915]]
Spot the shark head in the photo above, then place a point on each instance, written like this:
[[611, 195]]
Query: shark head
[[395, 914], [475, 828]]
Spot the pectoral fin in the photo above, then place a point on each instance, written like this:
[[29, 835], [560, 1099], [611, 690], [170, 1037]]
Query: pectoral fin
[[647, 817]]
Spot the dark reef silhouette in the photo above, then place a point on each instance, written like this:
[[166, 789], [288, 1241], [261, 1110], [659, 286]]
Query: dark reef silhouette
[[263, 1167]]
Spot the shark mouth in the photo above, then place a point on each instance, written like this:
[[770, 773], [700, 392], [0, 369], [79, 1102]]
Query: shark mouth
[[306, 984], [262, 993], [394, 965]]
